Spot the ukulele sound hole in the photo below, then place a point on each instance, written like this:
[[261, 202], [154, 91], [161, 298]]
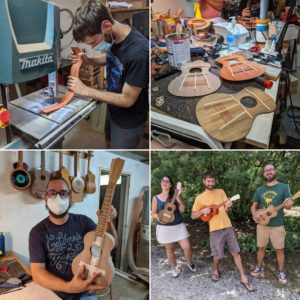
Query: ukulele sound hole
[[269, 214], [195, 70], [248, 102], [169, 209], [233, 61]]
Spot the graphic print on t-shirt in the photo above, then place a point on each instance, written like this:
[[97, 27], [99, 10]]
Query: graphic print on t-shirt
[[268, 196], [115, 71], [62, 248]]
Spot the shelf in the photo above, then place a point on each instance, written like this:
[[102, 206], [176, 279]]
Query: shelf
[[122, 10]]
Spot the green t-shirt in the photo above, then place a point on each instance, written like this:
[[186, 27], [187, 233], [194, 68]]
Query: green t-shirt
[[272, 195]]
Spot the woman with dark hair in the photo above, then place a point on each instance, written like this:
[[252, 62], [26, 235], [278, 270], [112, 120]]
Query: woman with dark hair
[[169, 233]]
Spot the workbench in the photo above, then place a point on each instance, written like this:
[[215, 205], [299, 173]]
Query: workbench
[[178, 114]]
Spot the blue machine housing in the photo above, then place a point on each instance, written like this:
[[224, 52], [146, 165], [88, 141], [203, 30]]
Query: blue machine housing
[[29, 40]]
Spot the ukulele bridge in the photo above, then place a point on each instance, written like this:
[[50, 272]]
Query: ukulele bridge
[[167, 216], [91, 269]]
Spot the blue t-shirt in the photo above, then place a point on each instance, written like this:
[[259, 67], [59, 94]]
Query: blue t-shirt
[[177, 215], [57, 246]]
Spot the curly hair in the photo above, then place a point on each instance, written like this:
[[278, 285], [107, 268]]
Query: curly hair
[[88, 19]]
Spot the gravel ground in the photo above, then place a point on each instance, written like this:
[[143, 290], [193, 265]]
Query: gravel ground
[[198, 286]]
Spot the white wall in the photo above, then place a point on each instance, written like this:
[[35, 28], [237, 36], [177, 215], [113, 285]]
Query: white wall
[[163, 6], [19, 211]]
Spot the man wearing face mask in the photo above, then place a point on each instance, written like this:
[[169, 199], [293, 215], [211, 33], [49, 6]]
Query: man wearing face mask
[[55, 241], [127, 64], [273, 193]]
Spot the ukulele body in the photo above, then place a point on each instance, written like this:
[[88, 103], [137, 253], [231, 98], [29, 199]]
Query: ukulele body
[[213, 211], [166, 215], [236, 68], [41, 179], [90, 186], [193, 84], [229, 117], [105, 262], [266, 214]]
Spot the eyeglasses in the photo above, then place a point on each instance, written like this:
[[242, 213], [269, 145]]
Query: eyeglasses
[[62, 193], [268, 170], [166, 181]]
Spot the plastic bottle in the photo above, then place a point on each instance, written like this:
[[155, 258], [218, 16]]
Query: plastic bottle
[[230, 40], [235, 32], [2, 244]]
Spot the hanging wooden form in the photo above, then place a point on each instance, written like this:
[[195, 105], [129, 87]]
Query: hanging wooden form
[[237, 68], [193, 84], [227, 117]]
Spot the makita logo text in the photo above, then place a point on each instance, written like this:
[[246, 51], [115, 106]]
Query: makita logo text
[[35, 61]]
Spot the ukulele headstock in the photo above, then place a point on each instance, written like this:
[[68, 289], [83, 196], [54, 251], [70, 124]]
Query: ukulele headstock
[[116, 168], [296, 196], [235, 197]]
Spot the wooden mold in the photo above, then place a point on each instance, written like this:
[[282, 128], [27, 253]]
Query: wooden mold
[[228, 117], [236, 68], [193, 84]]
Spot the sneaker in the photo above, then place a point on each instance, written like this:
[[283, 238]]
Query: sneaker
[[175, 272], [257, 272], [282, 277], [192, 267]]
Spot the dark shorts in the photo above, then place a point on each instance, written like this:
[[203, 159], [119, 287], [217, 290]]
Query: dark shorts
[[218, 239]]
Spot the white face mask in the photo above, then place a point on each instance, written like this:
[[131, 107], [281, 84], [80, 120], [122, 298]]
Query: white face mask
[[57, 205], [104, 45]]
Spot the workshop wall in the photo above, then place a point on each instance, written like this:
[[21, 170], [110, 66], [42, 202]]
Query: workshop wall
[[164, 6], [19, 211]]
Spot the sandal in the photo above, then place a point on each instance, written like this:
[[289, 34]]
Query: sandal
[[215, 277], [248, 286]]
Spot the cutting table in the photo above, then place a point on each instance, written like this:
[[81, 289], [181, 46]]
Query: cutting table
[[43, 130]]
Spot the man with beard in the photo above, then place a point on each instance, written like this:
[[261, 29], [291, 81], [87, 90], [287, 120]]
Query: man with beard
[[273, 193], [55, 241], [220, 227], [127, 66]]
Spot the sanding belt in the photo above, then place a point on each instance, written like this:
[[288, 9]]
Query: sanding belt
[[69, 94]]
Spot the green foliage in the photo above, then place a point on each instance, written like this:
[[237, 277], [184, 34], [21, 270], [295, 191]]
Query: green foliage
[[238, 172]]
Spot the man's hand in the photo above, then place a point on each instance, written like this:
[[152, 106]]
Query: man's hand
[[228, 204], [246, 12], [77, 86], [205, 211], [288, 203], [75, 58], [78, 284], [113, 214], [256, 220]]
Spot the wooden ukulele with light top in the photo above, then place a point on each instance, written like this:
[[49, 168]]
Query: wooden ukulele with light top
[[264, 215], [98, 244], [215, 208], [166, 215]]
